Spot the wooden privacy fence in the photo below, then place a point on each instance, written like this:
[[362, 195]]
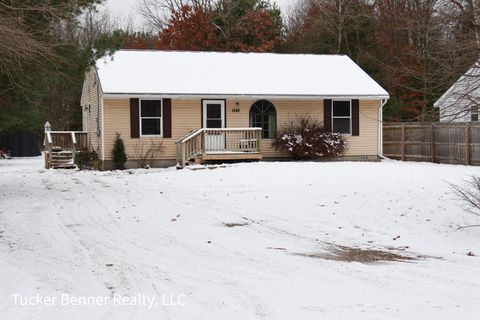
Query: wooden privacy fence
[[456, 143]]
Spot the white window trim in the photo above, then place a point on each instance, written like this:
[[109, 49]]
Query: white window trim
[[222, 105], [343, 117], [140, 118]]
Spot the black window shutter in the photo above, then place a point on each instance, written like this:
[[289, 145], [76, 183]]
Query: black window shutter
[[134, 118], [355, 117], [167, 118], [327, 115]]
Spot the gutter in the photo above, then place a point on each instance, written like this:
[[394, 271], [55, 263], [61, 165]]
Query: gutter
[[107, 95], [380, 129]]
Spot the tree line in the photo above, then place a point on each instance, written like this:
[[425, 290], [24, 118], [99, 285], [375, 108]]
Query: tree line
[[414, 48]]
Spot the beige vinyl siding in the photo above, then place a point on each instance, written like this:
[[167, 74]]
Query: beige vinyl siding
[[287, 111], [367, 142], [186, 116], [92, 119]]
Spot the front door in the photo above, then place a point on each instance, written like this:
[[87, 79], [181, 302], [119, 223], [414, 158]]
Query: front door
[[214, 118]]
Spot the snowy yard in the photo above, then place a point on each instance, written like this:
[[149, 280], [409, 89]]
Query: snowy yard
[[245, 241]]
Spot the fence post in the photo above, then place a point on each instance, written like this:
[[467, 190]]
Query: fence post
[[403, 142], [48, 146], [433, 143], [467, 144]]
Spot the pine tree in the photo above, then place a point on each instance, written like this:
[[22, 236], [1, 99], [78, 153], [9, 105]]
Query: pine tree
[[118, 153]]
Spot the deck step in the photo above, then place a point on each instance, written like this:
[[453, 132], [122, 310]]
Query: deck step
[[64, 166], [62, 159]]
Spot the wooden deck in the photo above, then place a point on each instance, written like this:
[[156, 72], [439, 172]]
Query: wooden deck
[[224, 144]]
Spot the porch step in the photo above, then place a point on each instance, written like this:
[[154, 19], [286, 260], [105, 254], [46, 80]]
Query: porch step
[[212, 156], [222, 156]]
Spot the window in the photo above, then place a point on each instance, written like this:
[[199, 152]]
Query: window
[[264, 115], [342, 116], [474, 113], [151, 117]]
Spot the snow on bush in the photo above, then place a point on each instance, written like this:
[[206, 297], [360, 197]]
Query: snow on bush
[[306, 139]]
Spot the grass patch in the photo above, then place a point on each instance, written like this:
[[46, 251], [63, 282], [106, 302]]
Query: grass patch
[[349, 254], [235, 224]]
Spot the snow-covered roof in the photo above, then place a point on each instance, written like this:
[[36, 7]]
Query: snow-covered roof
[[244, 74], [465, 90]]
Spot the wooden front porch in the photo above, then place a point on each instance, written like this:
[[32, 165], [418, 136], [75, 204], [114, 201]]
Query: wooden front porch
[[223, 144]]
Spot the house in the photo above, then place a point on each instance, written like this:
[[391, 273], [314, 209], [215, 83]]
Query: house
[[461, 101], [222, 106]]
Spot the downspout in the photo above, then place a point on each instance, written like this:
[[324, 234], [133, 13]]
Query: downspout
[[380, 129], [100, 118], [98, 103]]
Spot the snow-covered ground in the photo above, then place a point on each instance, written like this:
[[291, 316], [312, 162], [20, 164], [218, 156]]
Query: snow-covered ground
[[161, 234]]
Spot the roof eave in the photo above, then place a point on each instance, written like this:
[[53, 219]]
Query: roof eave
[[245, 96]]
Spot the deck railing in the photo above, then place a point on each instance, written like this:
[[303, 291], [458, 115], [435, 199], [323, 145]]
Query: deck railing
[[72, 141], [218, 141]]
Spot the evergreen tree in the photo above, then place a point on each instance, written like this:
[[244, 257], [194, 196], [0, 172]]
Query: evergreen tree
[[118, 153]]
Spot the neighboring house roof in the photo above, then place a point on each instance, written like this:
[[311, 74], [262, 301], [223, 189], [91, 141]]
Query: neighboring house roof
[[463, 94], [244, 74]]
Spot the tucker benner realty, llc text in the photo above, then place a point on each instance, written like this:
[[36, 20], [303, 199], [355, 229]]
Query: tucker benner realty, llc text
[[139, 300]]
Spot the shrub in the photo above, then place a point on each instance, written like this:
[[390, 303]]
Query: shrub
[[118, 153], [87, 160], [146, 151], [306, 139]]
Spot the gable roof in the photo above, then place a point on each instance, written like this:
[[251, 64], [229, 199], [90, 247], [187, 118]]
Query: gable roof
[[220, 73], [464, 92]]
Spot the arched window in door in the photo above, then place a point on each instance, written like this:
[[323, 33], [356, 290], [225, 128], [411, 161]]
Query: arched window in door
[[264, 115]]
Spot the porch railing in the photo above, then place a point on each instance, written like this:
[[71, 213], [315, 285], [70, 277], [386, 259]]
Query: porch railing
[[218, 141]]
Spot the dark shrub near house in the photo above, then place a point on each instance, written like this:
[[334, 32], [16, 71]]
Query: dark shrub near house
[[306, 139], [87, 160], [118, 153]]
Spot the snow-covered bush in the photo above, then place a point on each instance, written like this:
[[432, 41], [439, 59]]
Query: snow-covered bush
[[306, 139]]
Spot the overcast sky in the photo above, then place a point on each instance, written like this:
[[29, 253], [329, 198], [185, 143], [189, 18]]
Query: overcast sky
[[127, 8]]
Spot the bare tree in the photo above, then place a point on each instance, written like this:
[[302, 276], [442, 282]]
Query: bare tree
[[328, 26], [18, 44], [29, 35], [94, 24], [460, 57], [146, 150], [157, 12], [470, 196]]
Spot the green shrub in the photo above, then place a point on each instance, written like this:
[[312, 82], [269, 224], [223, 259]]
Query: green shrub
[[118, 153]]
